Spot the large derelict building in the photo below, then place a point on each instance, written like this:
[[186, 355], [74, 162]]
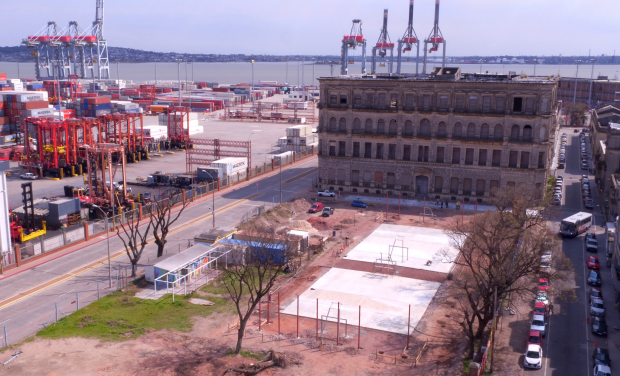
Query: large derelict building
[[448, 136]]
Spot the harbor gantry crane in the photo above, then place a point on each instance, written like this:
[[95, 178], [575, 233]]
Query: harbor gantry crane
[[435, 38], [406, 43], [353, 40], [43, 50], [383, 44], [77, 57]]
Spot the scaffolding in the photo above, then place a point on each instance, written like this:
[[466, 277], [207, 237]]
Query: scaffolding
[[272, 111], [204, 157]]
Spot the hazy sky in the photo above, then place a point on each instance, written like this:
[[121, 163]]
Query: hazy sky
[[313, 27]]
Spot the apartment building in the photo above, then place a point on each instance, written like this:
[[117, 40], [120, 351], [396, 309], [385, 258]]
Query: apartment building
[[448, 136]]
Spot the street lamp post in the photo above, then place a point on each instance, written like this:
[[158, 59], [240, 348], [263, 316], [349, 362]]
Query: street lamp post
[[155, 72], [591, 82], [179, 77], [118, 79], [107, 231], [480, 66], [252, 83], [534, 67], [213, 200]]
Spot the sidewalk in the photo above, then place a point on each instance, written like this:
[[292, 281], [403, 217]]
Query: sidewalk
[[53, 255]]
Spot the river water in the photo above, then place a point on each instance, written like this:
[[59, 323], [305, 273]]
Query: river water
[[297, 73]]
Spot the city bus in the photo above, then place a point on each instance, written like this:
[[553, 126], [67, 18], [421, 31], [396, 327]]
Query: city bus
[[575, 224]]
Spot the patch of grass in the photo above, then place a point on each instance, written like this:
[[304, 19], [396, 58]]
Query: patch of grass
[[466, 367], [246, 354], [119, 316]]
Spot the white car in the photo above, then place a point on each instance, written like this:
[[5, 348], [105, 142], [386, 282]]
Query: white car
[[597, 308], [28, 175], [601, 370], [327, 193], [533, 357], [538, 323]]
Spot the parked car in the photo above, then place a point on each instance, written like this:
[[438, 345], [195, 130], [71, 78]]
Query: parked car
[[597, 307], [557, 200], [541, 296], [358, 204], [327, 193], [535, 338], [561, 165], [543, 284], [595, 293], [538, 323], [545, 259], [560, 178], [584, 165], [601, 370], [589, 203], [576, 131], [599, 326], [328, 211], [317, 207], [594, 278], [600, 355], [593, 263], [533, 357], [591, 245], [28, 176], [544, 270], [540, 308]]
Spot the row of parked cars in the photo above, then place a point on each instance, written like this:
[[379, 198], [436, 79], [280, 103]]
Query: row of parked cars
[[562, 154], [326, 211], [584, 151]]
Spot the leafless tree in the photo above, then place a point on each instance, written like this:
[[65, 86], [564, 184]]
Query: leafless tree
[[134, 239], [252, 270], [501, 250], [162, 218]]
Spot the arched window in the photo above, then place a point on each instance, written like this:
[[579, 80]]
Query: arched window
[[442, 130], [381, 126], [332, 125], [543, 134], [471, 131], [408, 128], [498, 132], [425, 128], [342, 125], [368, 126], [393, 127], [458, 130], [514, 133], [484, 131], [527, 133], [357, 126]]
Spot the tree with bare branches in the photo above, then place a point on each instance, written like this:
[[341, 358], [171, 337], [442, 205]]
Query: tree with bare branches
[[134, 239], [501, 250], [252, 270], [162, 218]]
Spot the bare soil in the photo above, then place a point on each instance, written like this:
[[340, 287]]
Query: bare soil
[[203, 350]]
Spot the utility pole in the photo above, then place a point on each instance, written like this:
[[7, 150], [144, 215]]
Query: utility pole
[[179, 77], [193, 70], [280, 180], [155, 72], [286, 82], [118, 79], [252, 83], [576, 75]]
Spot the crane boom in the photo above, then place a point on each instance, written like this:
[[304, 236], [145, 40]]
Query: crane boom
[[99, 18]]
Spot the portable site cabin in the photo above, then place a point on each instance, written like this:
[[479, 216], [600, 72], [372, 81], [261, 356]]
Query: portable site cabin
[[180, 264], [263, 251]]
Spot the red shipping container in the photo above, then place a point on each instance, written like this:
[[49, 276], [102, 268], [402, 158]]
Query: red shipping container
[[33, 105], [2, 76], [4, 120]]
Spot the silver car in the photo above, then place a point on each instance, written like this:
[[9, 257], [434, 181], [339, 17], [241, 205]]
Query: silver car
[[597, 308]]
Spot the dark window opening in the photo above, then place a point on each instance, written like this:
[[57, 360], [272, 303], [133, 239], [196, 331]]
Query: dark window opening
[[517, 104], [343, 99]]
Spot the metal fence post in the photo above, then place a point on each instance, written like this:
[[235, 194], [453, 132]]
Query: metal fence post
[[77, 301], [56, 310], [98, 291], [6, 337]]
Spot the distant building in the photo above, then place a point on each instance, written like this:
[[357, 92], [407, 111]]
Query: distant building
[[604, 91], [450, 136], [605, 142]]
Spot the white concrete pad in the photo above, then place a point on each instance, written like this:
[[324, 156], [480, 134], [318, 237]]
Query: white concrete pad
[[423, 245], [384, 299]]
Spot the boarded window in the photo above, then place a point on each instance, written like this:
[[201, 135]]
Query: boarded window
[[484, 131], [541, 159], [333, 99], [332, 125], [379, 154], [497, 158], [425, 128], [469, 156], [486, 103], [458, 130], [381, 127], [443, 102], [527, 133], [467, 182], [357, 100], [441, 151], [442, 130], [426, 102], [514, 133], [367, 150], [512, 158], [480, 184], [493, 186], [545, 106], [471, 131], [409, 101], [391, 179], [367, 176], [482, 157], [454, 185], [357, 126], [356, 149], [331, 174], [498, 132], [456, 155], [393, 127], [405, 181], [525, 159], [438, 184], [407, 153], [355, 177], [369, 99], [342, 147], [392, 151], [500, 104], [341, 176], [473, 103], [459, 103], [529, 105], [379, 177], [381, 100], [342, 125], [408, 128], [368, 126]]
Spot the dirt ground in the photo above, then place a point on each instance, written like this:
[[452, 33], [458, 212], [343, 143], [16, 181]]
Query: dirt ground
[[202, 351]]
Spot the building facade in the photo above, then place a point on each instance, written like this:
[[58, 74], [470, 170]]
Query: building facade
[[449, 136], [598, 92]]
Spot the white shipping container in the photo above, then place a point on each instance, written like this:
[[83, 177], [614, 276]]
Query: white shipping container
[[231, 165], [37, 96], [40, 112], [196, 130], [155, 131]]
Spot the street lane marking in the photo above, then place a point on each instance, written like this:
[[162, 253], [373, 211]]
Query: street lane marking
[[88, 267]]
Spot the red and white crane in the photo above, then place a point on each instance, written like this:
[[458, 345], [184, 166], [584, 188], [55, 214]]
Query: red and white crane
[[407, 42], [383, 45], [353, 40], [435, 38]]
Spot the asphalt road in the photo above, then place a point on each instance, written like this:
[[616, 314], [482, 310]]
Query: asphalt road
[[568, 346], [27, 300]]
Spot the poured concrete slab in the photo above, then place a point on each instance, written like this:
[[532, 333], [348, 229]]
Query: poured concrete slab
[[423, 245], [385, 299]]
